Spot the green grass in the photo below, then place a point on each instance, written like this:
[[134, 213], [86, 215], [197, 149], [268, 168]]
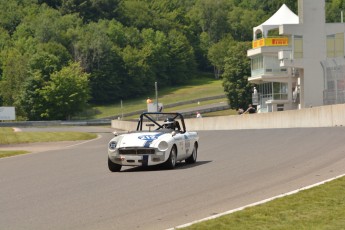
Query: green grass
[[11, 153], [197, 88], [194, 105], [8, 136], [226, 112], [321, 207]]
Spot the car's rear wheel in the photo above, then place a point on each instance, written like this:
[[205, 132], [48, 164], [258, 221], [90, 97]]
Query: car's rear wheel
[[192, 158], [113, 167], [171, 162]]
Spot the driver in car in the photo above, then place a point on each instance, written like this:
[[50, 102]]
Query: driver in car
[[169, 123]]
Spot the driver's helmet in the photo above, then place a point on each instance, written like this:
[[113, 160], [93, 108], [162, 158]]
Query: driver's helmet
[[169, 123]]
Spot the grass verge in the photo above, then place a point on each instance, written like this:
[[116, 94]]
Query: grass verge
[[12, 153], [321, 207], [8, 136], [221, 113], [197, 88]]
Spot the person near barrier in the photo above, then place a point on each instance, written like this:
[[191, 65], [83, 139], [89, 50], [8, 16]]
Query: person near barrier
[[250, 109]]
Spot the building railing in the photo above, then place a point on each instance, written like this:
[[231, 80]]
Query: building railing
[[269, 71], [271, 41]]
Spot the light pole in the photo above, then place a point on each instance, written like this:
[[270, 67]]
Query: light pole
[[156, 89], [121, 110]]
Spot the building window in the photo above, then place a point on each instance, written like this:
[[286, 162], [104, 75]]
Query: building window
[[335, 45], [280, 107], [257, 63], [257, 66], [298, 46], [280, 91], [271, 91]]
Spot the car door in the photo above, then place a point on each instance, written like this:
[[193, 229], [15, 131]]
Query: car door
[[187, 144], [180, 142]]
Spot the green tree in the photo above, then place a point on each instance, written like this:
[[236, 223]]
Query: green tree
[[14, 73], [211, 16], [268, 6], [12, 13], [235, 76], [46, 24], [217, 54], [49, 58], [145, 61], [100, 56], [182, 65], [89, 10], [333, 10], [138, 72], [31, 100], [155, 52], [136, 13], [208, 24], [241, 22], [66, 94]]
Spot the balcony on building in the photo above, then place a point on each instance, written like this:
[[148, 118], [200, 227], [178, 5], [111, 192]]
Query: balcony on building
[[265, 63], [267, 43]]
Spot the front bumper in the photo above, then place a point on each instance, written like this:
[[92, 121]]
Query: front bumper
[[137, 159]]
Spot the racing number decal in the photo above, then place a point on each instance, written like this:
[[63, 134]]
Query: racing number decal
[[187, 143], [149, 139]]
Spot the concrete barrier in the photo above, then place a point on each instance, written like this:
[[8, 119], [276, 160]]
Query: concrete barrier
[[323, 116]]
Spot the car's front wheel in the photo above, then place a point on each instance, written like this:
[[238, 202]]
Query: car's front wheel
[[171, 162], [113, 167], [192, 158]]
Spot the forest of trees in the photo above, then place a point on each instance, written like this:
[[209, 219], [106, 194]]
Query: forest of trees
[[57, 56]]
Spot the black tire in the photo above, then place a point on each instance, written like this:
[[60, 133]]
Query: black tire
[[171, 162], [113, 167], [192, 158]]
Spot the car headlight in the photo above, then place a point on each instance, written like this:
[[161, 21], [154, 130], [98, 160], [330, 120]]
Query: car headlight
[[163, 146], [112, 145]]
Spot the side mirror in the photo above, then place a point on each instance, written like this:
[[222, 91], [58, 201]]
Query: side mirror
[[173, 133], [115, 133]]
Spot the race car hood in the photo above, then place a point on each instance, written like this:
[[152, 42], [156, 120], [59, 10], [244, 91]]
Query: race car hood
[[144, 139]]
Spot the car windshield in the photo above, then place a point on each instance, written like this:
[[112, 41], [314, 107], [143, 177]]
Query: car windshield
[[161, 122]]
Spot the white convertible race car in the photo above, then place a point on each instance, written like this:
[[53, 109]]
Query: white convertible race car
[[160, 138]]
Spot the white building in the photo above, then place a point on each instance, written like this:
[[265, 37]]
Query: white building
[[298, 61]]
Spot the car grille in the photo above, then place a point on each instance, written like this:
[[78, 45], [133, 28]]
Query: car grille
[[136, 151]]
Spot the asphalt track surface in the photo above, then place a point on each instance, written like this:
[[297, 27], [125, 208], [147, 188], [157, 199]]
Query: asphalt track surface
[[69, 186]]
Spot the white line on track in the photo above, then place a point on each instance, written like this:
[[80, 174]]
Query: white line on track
[[54, 148], [84, 142], [256, 203]]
